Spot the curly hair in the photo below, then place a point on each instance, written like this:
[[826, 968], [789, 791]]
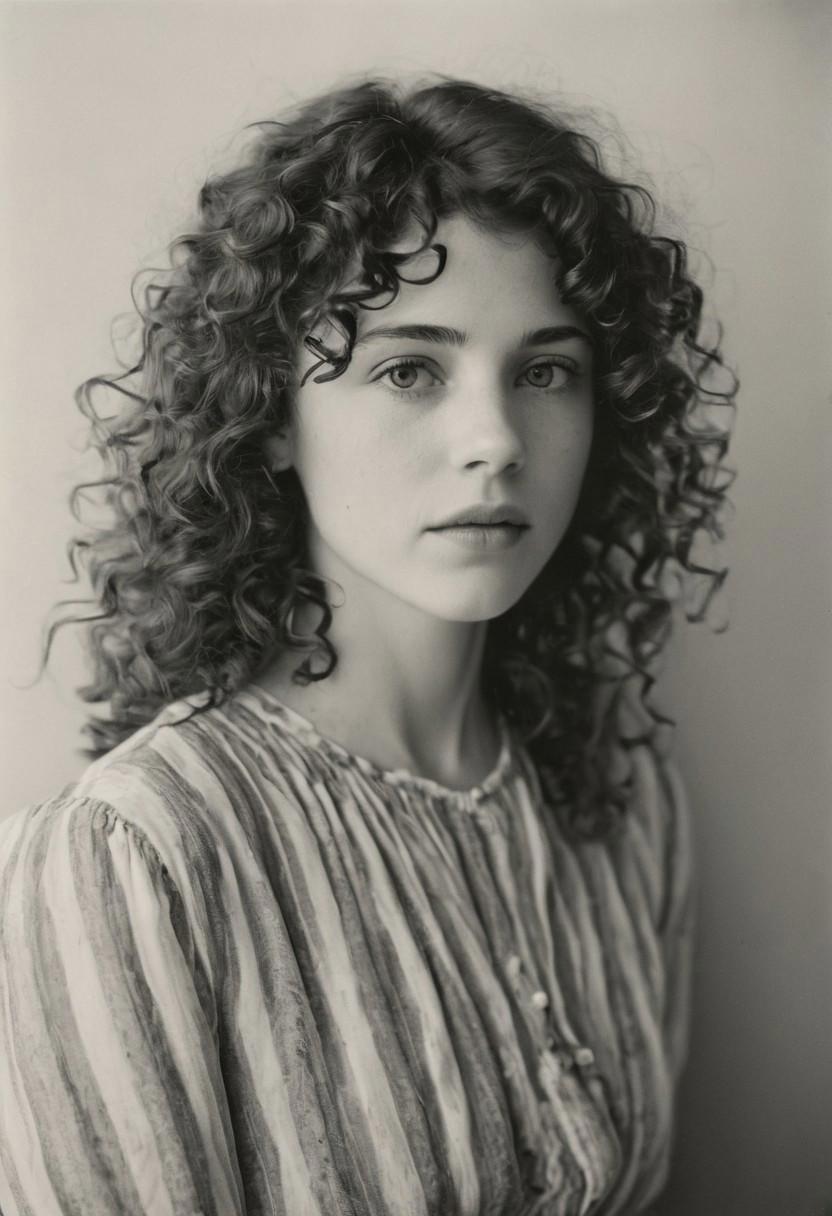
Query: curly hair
[[205, 556]]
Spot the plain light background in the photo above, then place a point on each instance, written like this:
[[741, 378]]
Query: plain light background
[[112, 114]]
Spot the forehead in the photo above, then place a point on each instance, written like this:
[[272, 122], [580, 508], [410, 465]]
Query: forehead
[[492, 280]]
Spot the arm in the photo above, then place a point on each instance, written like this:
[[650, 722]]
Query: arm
[[656, 865], [676, 922], [111, 1096]]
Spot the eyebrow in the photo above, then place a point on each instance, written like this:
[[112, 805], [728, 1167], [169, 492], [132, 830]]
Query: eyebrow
[[442, 335]]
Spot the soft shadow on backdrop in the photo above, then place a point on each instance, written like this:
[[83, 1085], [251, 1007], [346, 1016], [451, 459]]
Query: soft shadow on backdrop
[[114, 114]]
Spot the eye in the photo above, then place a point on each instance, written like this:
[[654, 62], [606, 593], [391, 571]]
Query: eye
[[408, 377], [552, 374]]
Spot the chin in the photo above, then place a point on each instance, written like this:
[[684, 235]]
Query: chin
[[472, 605]]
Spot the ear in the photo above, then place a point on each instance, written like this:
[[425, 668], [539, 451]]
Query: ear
[[278, 449]]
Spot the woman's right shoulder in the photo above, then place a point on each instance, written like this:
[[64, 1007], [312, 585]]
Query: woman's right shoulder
[[154, 789]]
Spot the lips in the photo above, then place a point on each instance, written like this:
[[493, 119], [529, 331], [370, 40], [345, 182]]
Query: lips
[[484, 515]]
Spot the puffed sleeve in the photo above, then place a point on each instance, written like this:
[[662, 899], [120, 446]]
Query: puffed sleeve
[[111, 1094]]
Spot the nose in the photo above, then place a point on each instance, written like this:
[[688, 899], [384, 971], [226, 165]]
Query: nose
[[487, 436]]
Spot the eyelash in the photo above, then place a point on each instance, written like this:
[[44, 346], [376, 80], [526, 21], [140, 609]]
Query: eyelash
[[564, 364]]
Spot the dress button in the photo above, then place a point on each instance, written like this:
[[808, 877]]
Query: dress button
[[514, 965], [540, 1000], [584, 1056]]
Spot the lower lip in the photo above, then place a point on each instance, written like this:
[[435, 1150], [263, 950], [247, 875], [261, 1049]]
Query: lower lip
[[476, 536]]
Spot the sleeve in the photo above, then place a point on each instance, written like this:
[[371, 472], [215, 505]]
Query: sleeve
[[111, 1095], [677, 912]]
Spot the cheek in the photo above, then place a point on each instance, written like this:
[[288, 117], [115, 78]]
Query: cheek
[[579, 456], [565, 456], [324, 448], [347, 471]]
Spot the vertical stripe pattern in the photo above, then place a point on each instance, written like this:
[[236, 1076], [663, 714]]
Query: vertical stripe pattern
[[244, 972]]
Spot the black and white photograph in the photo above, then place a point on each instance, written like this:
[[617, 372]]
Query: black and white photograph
[[417, 619]]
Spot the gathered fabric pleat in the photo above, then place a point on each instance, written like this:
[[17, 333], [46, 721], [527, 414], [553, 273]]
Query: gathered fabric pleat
[[244, 972]]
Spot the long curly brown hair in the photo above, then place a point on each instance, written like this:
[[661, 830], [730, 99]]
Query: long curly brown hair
[[204, 558]]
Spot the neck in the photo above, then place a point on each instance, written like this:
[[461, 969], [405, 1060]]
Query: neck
[[406, 691]]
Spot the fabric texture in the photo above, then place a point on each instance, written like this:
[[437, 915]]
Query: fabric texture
[[243, 971]]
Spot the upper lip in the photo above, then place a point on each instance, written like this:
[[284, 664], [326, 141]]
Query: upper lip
[[482, 514]]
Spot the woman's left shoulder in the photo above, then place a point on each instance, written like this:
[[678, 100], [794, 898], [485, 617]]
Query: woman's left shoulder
[[658, 803], [655, 836]]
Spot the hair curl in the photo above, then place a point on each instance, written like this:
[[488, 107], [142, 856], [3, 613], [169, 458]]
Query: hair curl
[[205, 557]]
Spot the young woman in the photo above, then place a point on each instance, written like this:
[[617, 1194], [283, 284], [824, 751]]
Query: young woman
[[376, 900]]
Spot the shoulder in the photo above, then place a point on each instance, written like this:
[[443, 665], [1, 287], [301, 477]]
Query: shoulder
[[75, 877], [71, 839], [658, 804], [655, 838], [156, 793], [130, 849]]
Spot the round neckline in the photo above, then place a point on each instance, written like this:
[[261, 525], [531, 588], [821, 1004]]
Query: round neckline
[[300, 726]]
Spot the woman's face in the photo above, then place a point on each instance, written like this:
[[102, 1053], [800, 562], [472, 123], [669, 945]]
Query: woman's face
[[470, 392]]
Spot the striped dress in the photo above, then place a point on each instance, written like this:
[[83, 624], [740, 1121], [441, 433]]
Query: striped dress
[[243, 970]]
